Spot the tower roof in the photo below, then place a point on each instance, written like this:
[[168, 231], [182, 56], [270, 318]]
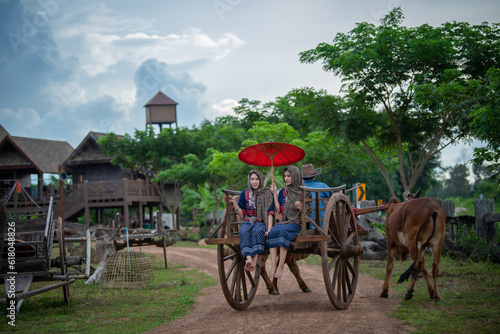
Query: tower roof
[[160, 99]]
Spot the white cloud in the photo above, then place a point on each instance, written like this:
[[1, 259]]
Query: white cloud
[[24, 120], [101, 39], [224, 108]]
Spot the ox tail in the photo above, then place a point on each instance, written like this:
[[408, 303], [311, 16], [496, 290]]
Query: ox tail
[[413, 270]]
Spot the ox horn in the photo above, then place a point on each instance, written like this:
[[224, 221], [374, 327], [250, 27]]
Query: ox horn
[[405, 194]]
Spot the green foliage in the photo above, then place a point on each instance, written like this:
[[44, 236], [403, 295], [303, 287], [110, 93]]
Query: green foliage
[[408, 91], [476, 248], [488, 190], [458, 184], [485, 125]]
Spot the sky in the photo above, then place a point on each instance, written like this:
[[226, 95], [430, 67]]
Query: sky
[[68, 67]]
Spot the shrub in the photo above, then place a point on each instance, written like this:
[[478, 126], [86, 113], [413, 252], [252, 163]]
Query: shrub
[[476, 248]]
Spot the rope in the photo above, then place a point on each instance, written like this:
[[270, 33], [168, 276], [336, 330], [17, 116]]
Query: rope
[[24, 192]]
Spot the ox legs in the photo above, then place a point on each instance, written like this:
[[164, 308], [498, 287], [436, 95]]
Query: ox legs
[[294, 268], [272, 289], [409, 290], [272, 286], [436, 252], [388, 271], [430, 288]]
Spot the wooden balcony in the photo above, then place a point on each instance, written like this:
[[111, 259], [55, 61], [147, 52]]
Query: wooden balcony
[[102, 194]]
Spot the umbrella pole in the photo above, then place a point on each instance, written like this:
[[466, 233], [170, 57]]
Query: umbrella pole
[[272, 172]]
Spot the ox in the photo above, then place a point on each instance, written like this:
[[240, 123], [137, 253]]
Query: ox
[[291, 261], [410, 227]]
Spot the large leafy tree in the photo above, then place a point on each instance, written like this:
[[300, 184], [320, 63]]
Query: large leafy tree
[[408, 92], [148, 154], [486, 126]]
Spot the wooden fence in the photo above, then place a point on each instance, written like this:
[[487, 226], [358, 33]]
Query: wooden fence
[[483, 222]]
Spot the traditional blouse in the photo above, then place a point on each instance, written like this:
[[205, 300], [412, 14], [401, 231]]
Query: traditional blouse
[[282, 199], [247, 205]]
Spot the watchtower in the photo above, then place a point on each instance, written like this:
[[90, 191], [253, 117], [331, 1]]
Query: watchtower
[[161, 110]]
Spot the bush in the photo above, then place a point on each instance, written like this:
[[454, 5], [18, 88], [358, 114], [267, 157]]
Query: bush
[[476, 248]]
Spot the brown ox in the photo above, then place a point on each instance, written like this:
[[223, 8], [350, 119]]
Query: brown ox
[[411, 227], [291, 261]]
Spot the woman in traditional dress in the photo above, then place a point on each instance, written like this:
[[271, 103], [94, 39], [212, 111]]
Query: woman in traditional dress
[[289, 216], [255, 204]]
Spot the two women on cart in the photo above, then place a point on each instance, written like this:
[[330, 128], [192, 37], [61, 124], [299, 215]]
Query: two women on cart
[[257, 204]]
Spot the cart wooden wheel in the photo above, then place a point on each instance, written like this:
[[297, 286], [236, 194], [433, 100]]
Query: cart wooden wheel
[[62, 256], [239, 286], [340, 257]]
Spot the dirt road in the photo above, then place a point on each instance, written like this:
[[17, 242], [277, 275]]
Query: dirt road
[[291, 312]]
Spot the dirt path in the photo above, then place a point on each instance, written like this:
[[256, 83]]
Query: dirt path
[[291, 312]]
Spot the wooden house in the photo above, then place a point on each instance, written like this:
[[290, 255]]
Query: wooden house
[[99, 185], [22, 157]]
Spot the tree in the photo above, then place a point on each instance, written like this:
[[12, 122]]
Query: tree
[[485, 125], [457, 184], [148, 153], [407, 90]]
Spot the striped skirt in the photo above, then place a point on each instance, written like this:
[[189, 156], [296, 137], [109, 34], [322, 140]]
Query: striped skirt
[[282, 235]]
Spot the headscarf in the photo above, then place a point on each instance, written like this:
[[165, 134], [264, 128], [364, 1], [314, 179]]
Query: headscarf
[[263, 196], [293, 194]]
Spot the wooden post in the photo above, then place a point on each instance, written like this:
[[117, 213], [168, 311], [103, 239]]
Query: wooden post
[[86, 201], [449, 210], [141, 220], [303, 212], [41, 193], [165, 251], [88, 253], [103, 217], [125, 204], [61, 196], [484, 230]]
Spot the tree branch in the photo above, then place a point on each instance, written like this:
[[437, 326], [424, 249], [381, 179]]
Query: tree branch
[[368, 150]]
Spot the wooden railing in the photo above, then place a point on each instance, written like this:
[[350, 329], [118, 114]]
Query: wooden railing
[[103, 191]]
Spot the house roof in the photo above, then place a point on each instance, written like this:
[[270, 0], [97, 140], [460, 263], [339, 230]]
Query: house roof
[[160, 99], [88, 151], [43, 155], [3, 133]]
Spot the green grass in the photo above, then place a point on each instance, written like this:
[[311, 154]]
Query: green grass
[[192, 244], [94, 310], [470, 292]]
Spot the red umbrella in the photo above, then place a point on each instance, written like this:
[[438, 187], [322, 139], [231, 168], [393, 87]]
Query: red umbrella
[[271, 154]]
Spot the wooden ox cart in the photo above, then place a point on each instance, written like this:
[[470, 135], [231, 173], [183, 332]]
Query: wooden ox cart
[[27, 237], [335, 239]]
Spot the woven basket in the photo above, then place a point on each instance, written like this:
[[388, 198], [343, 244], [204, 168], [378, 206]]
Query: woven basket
[[128, 270]]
